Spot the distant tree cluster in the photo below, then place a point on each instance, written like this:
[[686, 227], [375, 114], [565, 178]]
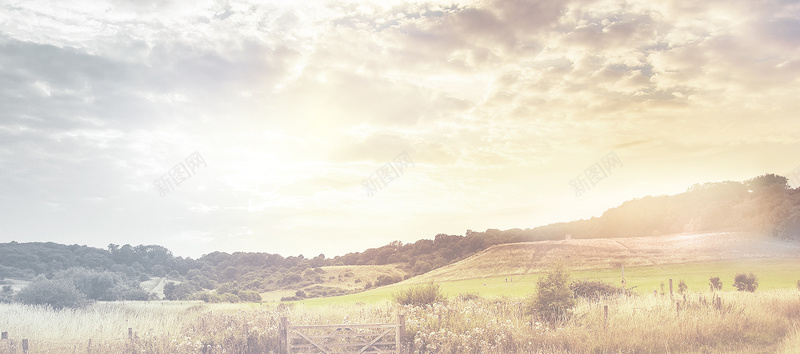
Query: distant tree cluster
[[763, 204], [75, 286]]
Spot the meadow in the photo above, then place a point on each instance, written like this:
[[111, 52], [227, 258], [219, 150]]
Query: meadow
[[772, 274], [765, 321], [487, 314]]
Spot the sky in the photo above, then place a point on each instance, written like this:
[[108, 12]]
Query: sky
[[328, 127]]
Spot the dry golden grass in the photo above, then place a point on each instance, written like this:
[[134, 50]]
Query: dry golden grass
[[358, 275], [745, 323], [791, 344], [582, 254], [351, 279]]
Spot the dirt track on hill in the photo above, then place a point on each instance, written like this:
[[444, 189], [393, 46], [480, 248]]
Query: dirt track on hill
[[582, 254]]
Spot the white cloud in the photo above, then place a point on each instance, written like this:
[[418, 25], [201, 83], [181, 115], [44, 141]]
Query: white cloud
[[499, 103]]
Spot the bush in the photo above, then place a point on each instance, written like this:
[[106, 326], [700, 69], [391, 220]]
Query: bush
[[595, 289], [228, 297], [554, 299], [716, 283], [182, 291], [7, 295], [419, 295], [468, 296], [250, 296], [214, 297], [57, 294], [387, 279], [746, 282], [682, 286], [103, 285]]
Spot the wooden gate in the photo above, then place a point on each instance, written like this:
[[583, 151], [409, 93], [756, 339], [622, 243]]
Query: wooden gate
[[344, 338]]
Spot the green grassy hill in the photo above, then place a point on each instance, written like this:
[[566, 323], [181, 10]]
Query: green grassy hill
[[513, 269], [591, 254]]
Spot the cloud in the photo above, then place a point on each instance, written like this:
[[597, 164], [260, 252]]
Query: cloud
[[293, 104]]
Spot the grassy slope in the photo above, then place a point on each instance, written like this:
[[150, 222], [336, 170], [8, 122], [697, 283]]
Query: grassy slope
[[772, 274], [649, 261], [349, 278], [155, 285], [588, 254]]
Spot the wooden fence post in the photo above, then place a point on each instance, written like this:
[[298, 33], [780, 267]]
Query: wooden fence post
[[130, 334], [401, 334], [4, 335], [25, 346], [670, 288], [605, 315], [284, 335]]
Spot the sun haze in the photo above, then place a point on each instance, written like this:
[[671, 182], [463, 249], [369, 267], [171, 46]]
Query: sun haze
[[334, 126]]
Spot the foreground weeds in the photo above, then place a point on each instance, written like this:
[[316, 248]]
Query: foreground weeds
[[739, 322]]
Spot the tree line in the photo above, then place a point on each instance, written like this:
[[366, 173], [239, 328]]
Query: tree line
[[765, 204]]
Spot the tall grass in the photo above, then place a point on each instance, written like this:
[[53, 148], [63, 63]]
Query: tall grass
[[746, 322]]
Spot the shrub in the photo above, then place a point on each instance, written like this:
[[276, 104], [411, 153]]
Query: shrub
[[228, 297], [594, 289], [387, 279], [7, 295], [468, 296], [250, 296], [682, 286], [57, 294], [554, 299], [716, 283], [182, 291], [214, 297], [745, 282], [419, 295], [103, 285]]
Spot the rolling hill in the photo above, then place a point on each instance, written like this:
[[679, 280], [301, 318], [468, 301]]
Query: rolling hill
[[586, 254], [512, 270]]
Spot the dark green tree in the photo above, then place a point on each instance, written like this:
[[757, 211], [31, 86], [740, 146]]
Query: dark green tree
[[746, 282], [554, 299], [682, 286], [57, 294], [716, 283], [169, 291]]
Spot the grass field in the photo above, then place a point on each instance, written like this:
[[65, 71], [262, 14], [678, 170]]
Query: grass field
[[772, 274], [761, 322], [496, 320]]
